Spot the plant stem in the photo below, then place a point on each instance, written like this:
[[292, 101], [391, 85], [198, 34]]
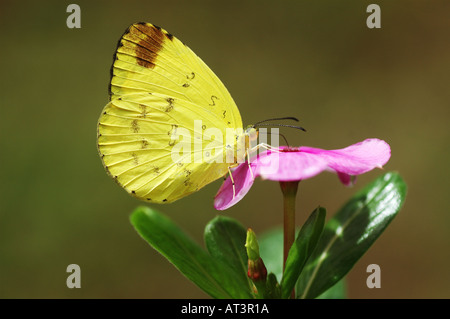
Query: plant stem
[[289, 190]]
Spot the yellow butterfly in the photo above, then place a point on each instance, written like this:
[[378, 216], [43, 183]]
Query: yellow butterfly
[[158, 88]]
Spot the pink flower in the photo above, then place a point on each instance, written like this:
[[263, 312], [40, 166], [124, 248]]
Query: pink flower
[[295, 164]]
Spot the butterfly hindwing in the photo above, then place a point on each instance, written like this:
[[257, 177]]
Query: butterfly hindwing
[[136, 136]]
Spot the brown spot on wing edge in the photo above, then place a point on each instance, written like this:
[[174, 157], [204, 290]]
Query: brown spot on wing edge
[[150, 43]]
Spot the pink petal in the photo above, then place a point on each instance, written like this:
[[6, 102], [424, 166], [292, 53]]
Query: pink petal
[[243, 181], [347, 180], [289, 165], [355, 159], [296, 164]]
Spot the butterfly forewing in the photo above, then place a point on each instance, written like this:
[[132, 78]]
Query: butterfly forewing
[[158, 87]]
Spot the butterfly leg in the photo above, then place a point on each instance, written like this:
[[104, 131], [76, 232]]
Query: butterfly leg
[[248, 163], [251, 150], [250, 168], [268, 147], [232, 182]]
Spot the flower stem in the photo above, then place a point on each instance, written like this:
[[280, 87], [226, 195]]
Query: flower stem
[[289, 190]]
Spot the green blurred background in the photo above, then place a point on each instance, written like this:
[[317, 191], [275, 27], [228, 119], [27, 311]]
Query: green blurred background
[[316, 60]]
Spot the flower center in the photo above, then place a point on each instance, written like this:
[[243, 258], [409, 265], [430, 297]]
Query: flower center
[[287, 149]]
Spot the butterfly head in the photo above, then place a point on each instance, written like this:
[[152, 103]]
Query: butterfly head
[[251, 134]]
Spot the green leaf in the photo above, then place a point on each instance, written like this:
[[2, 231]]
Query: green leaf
[[187, 256], [225, 241], [350, 233], [338, 291], [271, 243], [273, 289], [301, 250], [271, 251]]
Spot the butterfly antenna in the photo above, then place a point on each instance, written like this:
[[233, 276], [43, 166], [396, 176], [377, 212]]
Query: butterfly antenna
[[277, 119], [281, 125]]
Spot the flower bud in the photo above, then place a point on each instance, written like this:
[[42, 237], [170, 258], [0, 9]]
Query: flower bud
[[257, 271]]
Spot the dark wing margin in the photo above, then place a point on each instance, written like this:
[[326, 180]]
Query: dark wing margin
[[143, 41]]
